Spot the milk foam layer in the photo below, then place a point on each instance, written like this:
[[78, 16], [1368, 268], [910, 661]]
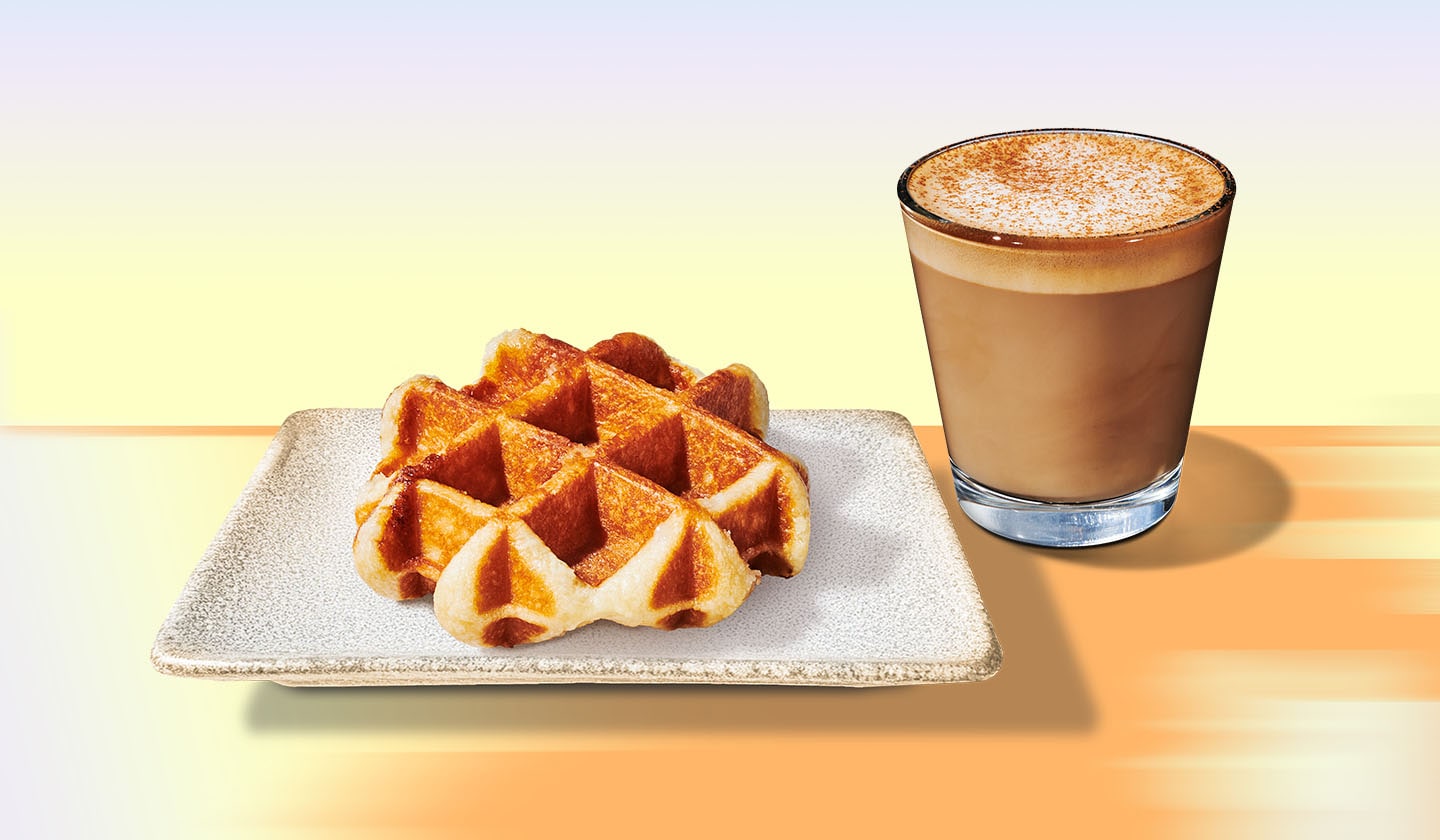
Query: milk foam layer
[[1066, 184], [1123, 249]]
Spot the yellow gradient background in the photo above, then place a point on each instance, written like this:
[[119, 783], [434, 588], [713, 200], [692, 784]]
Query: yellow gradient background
[[222, 216]]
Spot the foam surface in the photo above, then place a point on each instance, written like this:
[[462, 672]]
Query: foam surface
[[1067, 184]]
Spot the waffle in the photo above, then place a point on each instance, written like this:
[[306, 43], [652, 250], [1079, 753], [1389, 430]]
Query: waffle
[[565, 487]]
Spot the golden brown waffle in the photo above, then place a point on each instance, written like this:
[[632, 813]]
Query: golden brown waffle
[[566, 487]]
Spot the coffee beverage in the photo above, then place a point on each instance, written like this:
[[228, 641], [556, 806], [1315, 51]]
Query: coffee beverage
[[1065, 281]]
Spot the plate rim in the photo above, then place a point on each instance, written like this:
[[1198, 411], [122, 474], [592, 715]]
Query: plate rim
[[318, 670]]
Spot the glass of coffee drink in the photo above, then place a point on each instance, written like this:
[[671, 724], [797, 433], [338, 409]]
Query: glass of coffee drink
[[1065, 280]]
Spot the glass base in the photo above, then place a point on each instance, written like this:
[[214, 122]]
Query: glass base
[[1066, 524]]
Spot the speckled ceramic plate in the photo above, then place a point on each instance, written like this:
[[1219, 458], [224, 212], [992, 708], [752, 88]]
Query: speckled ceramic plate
[[885, 598]]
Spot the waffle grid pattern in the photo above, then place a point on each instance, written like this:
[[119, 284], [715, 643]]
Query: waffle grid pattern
[[566, 487]]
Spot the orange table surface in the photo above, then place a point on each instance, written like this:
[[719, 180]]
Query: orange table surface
[[1264, 663]]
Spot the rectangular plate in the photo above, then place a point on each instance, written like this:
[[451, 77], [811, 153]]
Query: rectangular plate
[[885, 598]]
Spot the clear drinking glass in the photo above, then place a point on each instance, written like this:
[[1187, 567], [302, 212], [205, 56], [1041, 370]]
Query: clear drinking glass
[[1065, 279]]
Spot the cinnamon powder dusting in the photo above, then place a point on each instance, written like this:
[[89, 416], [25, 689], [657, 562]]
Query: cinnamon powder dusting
[[1067, 184]]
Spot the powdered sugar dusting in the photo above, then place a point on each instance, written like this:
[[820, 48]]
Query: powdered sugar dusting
[[1066, 184]]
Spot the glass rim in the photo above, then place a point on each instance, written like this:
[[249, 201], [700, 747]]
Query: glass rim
[[1008, 239]]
